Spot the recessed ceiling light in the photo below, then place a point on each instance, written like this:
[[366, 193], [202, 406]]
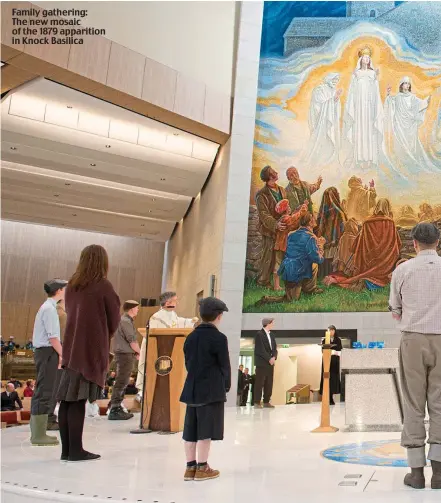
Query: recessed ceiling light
[[92, 164], [162, 179], [108, 146], [13, 148]]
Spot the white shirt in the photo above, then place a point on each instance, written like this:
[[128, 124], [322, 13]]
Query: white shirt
[[47, 325], [415, 293], [169, 319], [268, 334]]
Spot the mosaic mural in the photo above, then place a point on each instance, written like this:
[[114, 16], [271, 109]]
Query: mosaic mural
[[372, 453], [347, 152]]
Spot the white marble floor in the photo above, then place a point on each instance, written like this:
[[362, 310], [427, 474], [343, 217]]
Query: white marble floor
[[266, 456]]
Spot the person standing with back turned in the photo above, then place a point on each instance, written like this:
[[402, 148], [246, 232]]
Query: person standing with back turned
[[415, 300], [92, 308], [47, 356], [265, 356], [208, 381]]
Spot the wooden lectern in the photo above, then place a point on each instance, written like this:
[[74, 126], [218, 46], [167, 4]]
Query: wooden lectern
[[325, 421], [165, 377]]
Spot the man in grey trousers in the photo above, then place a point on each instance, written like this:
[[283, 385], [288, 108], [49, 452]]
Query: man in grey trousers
[[126, 349], [415, 300], [47, 356]]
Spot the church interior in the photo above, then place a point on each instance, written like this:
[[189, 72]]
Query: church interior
[[277, 156]]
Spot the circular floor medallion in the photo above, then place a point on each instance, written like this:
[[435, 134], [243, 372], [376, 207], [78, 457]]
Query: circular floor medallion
[[374, 453]]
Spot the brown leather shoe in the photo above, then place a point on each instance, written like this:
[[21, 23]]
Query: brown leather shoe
[[258, 406], [268, 406], [415, 479], [190, 472], [205, 473]]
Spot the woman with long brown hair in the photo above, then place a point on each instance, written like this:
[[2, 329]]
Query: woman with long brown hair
[[93, 315]]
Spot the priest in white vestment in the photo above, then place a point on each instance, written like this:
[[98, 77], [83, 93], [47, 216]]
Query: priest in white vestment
[[363, 119], [405, 113], [324, 123], [166, 317]]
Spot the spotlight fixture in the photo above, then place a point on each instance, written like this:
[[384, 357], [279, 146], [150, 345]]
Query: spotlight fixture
[[74, 214], [162, 179], [175, 134], [142, 225], [108, 146], [150, 211], [56, 195], [13, 148], [154, 200], [69, 106], [67, 184], [92, 164]]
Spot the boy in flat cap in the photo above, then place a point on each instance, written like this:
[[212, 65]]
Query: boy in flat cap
[[126, 349], [47, 356], [208, 381]]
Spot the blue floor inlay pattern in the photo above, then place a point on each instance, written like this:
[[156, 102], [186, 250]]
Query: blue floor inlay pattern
[[375, 453]]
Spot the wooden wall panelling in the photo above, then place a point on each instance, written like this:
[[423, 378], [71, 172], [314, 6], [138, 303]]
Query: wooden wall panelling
[[31, 254], [38, 274], [126, 70], [217, 110], [177, 379], [159, 84], [91, 60], [126, 283], [12, 77], [32, 313], [4, 269], [16, 278], [15, 317], [113, 277], [9, 50], [190, 98], [58, 268]]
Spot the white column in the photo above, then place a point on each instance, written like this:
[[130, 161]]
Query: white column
[[231, 281]]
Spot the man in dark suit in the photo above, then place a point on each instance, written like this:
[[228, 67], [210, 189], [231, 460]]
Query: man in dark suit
[[265, 356], [246, 388], [240, 385], [9, 398], [208, 381]]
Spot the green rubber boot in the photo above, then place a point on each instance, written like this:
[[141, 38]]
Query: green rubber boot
[[38, 432]]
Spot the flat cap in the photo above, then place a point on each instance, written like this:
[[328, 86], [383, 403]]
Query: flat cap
[[52, 285]]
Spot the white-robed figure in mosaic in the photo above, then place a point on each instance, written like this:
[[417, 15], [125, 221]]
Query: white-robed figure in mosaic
[[363, 119], [324, 123], [405, 113], [166, 317]]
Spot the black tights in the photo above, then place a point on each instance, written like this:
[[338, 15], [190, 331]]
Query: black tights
[[71, 423]]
